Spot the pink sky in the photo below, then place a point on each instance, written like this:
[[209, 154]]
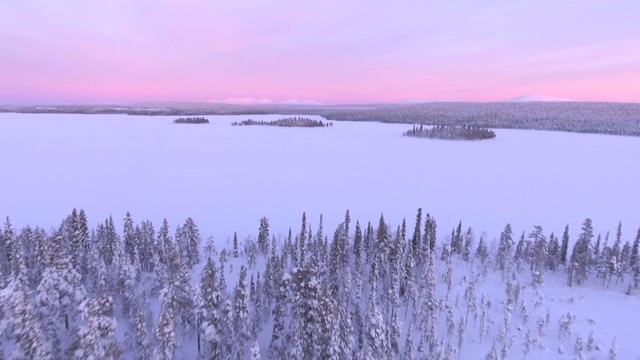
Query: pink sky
[[68, 51]]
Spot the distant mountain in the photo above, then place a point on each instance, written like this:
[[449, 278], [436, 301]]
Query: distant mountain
[[421, 101], [536, 98], [252, 101]]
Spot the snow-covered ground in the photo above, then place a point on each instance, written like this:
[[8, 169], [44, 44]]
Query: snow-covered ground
[[227, 177]]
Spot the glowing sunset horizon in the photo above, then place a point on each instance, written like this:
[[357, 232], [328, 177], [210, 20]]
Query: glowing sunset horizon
[[272, 52]]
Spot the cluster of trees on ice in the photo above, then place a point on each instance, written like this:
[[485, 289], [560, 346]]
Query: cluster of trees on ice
[[603, 118], [285, 122], [451, 132], [361, 292], [191, 120]]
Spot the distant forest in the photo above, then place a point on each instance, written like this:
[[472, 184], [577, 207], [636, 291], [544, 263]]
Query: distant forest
[[191, 120], [581, 117], [285, 122], [451, 132]]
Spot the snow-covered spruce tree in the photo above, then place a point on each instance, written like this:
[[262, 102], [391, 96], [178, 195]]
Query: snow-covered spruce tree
[[191, 242], [97, 335], [278, 346], [181, 299], [241, 318], [539, 256], [376, 328], [8, 247], [109, 243], [382, 248], [564, 248], [24, 327], [142, 349], [416, 240], [457, 242], [17, 309], [263, 235], [504, 248], [581, 255], [430, 232], [210, 308], [59, 293], [130, 241], [165, 329], [127, 284], [306, 307], [235, 245], [164, 242], [482, 252], [39, 255], [520, 255], [553, 253], [78, 236], [469, 238]]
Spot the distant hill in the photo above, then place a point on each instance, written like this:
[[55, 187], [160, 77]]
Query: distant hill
[[536, 98]]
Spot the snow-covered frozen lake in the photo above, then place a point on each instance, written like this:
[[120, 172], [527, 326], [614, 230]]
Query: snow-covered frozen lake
[[227, 177]]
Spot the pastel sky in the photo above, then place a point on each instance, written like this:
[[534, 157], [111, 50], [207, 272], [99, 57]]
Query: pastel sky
[[70, 51]]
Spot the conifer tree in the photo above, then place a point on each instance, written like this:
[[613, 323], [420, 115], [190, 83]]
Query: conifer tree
[[553, 253], [278, 346], [21, 321], [59, 293], [165, 331], [130, 240], [581, 255], [468, 243], [540, 254], [210, 307], [235, 244], [263, 235], [504, 248], [192, 240], [97, 335], [481, 251], [416, 241], [142, 339], [164, 243], [241, 319], [564, 248]]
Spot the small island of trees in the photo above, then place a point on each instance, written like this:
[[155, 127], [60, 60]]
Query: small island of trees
[[191, 120], [285, 122], [451, 132]]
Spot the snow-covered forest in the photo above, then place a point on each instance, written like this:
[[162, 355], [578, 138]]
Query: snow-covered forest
[[364, 290], [451, 132], [581, 117], [296, 121]]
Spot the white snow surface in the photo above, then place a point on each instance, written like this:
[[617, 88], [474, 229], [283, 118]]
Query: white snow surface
[[227, 177]]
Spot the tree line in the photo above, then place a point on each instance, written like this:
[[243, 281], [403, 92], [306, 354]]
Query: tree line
[[316, 294], [285, 122], [451, 132], [191, 120]]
